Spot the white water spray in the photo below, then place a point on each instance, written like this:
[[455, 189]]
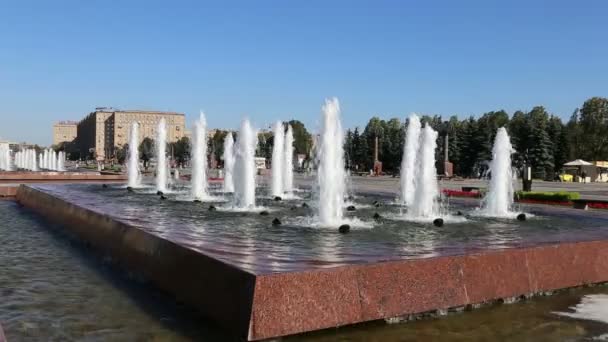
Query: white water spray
[[244, 166], [277, 159], [161, 156], [199, 159], [288, 161], [5, 158], [408, 163], [133, 162], [61, 161], [426, 197], [228, 163], [499, 199], [331, 174]]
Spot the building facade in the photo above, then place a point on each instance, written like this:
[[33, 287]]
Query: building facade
[[64, 131], [106, 130]]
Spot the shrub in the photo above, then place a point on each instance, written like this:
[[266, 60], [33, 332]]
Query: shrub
[[561, 196]]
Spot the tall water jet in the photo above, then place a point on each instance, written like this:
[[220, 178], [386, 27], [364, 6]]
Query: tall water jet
[[161, 156], [408, 162], [244, 166], [199, 158], [277, 159], [331, 172], [53, 160], [5, 158], [228, 163], [33, 160], [426, 196], [134, 179], [61, 161], [288, 161], [499, 199]]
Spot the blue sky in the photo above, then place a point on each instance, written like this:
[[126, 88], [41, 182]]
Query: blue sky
[[272, 60]]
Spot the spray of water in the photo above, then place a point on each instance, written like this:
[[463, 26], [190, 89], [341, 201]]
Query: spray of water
[[61, 161], [229, 163], [244, 167], [408, 162], [426, 196], [134, 178], [288, 161], [331, 174], [5, 158], [277, 159], [199, 159], [499, 199], [161, 155]]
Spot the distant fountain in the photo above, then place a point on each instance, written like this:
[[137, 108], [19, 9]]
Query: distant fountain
[[277, 159], [33, 160], [134, 178], [199, 159], [228, 163], [53, 160], [499, 198], [161, 156], [426, 197], [61, 161], [408, 162], [45, 159], [5, 158], [331, 173], [288, 162], [244, 166]]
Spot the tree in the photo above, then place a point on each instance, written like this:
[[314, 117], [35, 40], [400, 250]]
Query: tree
[[146, 151], [573, 132], [540, 152], [594, 123], [122, 153], [302, 140], [181, 150]]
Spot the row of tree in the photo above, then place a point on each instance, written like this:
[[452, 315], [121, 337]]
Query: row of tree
[[539, 138]]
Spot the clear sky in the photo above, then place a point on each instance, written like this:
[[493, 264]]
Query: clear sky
[[272, 60]]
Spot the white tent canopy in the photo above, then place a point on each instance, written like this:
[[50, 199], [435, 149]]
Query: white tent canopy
[[578, 162]]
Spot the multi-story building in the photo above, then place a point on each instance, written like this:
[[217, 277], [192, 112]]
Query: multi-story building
[[105, 130], [64, 131]]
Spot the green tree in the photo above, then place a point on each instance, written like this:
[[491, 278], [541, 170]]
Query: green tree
[[540, 153], [302, 140], [594, 124], [181, 150], [146, 151]]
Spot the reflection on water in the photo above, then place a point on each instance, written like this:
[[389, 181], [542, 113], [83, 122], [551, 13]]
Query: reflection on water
[[51, 290], [250, 241]]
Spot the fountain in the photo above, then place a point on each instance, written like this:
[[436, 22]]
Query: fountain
[[45, 159], [134, 178], [161, 156], [288, 162], [199, 159], [499, 199], [331, 174], [277, 159], [61, 161], [408, 163], [425, 204], [5, 158], [244, 167], [53, 160], [33, 160], [228, 163]]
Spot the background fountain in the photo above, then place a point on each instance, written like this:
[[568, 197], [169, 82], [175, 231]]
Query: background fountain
[[228, 163], [277, 159], [61, 161], [499, 198], [134, 178], [288, 161], [331, 174], [5, 158], [161, 156], [408, 163], [199, 159], [244, 166], [425, 203]]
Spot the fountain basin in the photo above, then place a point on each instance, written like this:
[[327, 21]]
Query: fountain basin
[[260, 290]]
